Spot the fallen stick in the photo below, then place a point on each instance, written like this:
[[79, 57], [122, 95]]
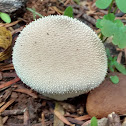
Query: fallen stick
[[86, 17], [9, 83], [26, 91], [13, 112], [6, 105]]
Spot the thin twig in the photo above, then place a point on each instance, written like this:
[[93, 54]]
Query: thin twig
[[86, 17], [7, 84]]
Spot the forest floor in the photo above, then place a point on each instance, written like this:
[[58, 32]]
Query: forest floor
[[19, 104]]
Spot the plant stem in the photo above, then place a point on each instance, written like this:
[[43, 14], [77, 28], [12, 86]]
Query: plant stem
[[115, 9], [101, 37], [105, 39], [110, 7], [34, 12]]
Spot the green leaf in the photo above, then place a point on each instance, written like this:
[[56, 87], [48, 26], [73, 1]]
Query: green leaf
[[114, 79], [94, 121], [111, 27], [108, 54], [111, 65], [69, 12], [77, 1], [102, 4], [114, 59], [107, 24], [98, 23], [121, 5], [120, 67], [120, 37], [111, 68], [5, 17], [109, 16]]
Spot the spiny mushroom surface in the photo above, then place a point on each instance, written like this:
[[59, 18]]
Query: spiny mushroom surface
[[59, 57]]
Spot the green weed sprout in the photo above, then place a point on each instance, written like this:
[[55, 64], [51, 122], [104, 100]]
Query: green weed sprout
[[94, 121], [69, 11], [5, 17], [34, 13], [113, 65]]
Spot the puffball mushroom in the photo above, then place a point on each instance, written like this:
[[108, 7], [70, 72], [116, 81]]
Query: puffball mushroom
[[59, 57]]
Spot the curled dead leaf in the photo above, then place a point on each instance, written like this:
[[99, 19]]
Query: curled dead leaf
[[5, 43]]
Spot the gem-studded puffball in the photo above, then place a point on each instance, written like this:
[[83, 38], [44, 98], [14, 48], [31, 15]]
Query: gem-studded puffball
[[59, 57]]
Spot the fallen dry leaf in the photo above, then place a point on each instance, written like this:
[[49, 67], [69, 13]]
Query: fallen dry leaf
[[57, 121], [4, 119], [119, 57], [61, 117], [43, 119], [26, 118], [5, 43], [1, 121]]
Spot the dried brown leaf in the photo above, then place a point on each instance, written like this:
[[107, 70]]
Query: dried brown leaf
[[5, 119], [26, 118], [57, 121], [5, 43], [1, 121], [119, 57], [62, 118], [43, 119]]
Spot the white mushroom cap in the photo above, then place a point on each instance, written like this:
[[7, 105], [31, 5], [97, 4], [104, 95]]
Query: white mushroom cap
[[60, 57]]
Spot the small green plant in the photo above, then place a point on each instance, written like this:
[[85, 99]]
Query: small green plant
[[103, 4], [94, 121], [69, 12], [111, 27], [113, 65], [34, 13], [5, 17], [114, 79]]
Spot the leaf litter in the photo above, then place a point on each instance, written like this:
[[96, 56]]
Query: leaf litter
[[23, 106]]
